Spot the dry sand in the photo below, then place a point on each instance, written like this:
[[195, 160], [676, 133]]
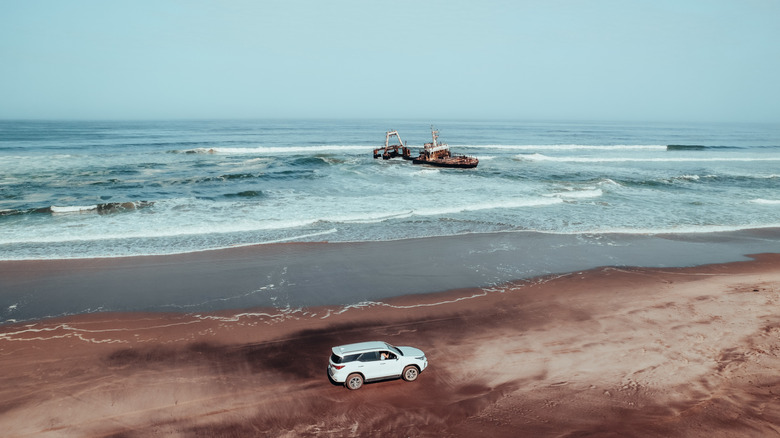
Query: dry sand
[[608, 352]]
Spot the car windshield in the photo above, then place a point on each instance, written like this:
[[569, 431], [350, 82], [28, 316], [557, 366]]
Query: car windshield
[[395, 350]]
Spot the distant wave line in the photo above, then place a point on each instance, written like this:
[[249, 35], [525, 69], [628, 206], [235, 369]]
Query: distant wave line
[[564, 147], [541, 157], [271, 150]]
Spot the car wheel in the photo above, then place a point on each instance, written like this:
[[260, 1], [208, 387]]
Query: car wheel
[[354, 381], [410, 373]]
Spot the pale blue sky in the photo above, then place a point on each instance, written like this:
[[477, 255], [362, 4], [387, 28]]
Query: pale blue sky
[[653, 60]]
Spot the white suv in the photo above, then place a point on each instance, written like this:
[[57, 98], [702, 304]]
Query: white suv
[[353, 364]]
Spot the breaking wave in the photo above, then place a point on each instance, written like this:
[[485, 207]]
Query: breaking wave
[[274, 150], [105, 208], [579, 194], [571, 159]]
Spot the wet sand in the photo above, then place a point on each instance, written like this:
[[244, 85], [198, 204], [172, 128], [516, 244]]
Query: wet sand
[[688, 352], [319, 274]]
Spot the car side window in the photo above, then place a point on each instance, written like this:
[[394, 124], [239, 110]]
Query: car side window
[[369, 356], [350, 357]]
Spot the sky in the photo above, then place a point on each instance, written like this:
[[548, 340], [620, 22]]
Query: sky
[[635, 60]]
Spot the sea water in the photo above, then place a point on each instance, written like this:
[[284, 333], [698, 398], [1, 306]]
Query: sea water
[[81, 189]]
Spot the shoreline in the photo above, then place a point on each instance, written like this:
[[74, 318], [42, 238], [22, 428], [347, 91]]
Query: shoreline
[[631, 351], [406, 303], [298, 274], [773, 231]]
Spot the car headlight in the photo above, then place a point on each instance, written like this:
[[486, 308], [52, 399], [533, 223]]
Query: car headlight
[[420, 358]]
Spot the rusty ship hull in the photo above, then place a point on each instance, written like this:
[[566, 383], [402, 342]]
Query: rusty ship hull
[[438, 154], [458, 162]]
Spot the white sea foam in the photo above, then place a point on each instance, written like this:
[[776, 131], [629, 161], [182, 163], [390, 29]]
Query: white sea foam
[[368, 304], [74, 209], [33, 332], [580, 194], [654, 231], [286, 150], [499, 204], [198, 223], [372, 217], [608, 182], [298, 237], [425, 171], [282, 315], [766, 201]]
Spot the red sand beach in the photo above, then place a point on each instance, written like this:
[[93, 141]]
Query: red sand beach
[[608, 352]]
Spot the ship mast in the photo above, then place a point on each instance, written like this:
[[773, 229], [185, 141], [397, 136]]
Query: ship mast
[[435, 146]]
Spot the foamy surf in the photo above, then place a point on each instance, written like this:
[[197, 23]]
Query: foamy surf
[[273, 151], [580, 194], [227, 184]]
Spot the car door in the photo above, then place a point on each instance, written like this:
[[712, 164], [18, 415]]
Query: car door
[[389, 365], [368, 364]]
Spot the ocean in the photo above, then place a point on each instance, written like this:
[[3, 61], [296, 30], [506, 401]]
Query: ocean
[[86, 189]]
